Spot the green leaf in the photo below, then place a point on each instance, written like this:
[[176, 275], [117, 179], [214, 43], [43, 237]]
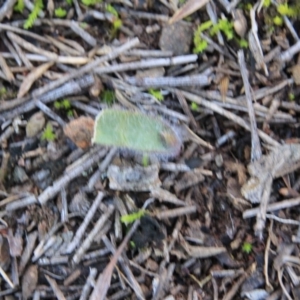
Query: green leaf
[[278, 21], [200, 46], [19, 7], [57, 105], [90, 2], [267, 3], [243, 43], [60, 12], [135, 131], [117, 24], [204, 26], [48, 133], [286, 10], [247, 247], [156, 94], [38, 6], [128, 219], [70, 2], [194, 106], [145, 160], [110, 9], [108, 97]]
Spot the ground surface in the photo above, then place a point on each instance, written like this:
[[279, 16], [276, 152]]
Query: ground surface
[[200, 198]]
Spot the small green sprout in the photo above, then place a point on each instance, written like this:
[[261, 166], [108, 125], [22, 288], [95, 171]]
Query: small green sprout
[[225, 26], [117, 22], [145, 160], [90, 2], [194, 106], [132, 244], [110, 9], [69, 2], [64, 104], [285, 10], [20, 5], [266, 3], [108, 97], [60, 12], [128, 219], [38, 7], [48, 134], [156, 94], [243, 43], [247, 247], [199, 43], [3, 91], [291, 97], [278, 21]]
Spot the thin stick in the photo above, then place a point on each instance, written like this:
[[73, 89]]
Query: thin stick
[[94, 156], [87, 68], [214, 107], [82, 228], [250, 213], [90, 238], [256, 152]]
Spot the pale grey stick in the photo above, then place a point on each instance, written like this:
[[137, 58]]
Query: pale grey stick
[[89, 239], [11, 49], [83, 34], [70, 88], [104, 164], [55, 288], [6, 8], [21, 203], [87, 68], [82, 228], [47, 111], [51, 191], [289, 53], [255, 143], [88, 284], [214, 107], [125, 266], [30, 244], [159, 82], [250, 213], [149, 63]]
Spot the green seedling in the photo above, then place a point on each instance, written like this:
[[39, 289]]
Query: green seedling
[[247, 247], [156, 94], [108, 97], [287, 10], [90, 2], [60, 12], [48, 134], [194, 106], [291, 97], [266, 3], [64, 104], [128, 219], [117, 22], [19, 7], [200, 44], [135, 131], [277, 20], [38, 7], [69, 2], [145, 160], [225, 26]]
